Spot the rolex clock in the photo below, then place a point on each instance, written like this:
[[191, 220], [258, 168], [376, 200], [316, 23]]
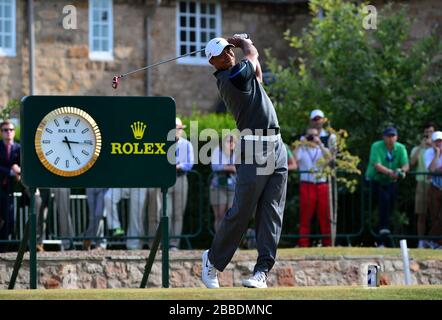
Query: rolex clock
[[68, 141]]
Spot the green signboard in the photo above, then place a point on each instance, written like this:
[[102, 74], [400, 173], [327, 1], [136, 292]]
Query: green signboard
[[73, 141]]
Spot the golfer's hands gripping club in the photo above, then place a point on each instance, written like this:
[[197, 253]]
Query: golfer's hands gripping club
[[237, 38]]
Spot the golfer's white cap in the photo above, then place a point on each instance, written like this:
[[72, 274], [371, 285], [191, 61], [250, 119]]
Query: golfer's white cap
[[316, 113], [437, 135], [215, 46]]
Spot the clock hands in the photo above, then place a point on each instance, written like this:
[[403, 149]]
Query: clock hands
[[77, 142], [69, 145]]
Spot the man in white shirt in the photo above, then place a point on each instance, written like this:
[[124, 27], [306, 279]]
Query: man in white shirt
[[423, 182], [314, 190], [433, 162], [318, 120]]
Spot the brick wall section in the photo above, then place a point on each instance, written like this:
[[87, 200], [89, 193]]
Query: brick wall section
[[63, 66], [62, 59], [188, 84], [425, 15], [124, 269], [195, 85], [62, 56], [13, 69]]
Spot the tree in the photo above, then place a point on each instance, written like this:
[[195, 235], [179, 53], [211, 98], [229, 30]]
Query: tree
[[363, 79], [9, 109]]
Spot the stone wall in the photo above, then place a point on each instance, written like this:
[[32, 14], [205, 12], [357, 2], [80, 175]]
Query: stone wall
[[194, 85], [64, 68], [62, 59], [62, 64], [124, 269], [62, 56], [13, 69]]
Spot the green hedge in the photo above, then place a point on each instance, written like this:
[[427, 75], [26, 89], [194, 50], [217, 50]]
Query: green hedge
[[216, 121]]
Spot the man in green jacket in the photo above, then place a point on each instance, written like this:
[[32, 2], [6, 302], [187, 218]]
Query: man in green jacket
[[388, 163]]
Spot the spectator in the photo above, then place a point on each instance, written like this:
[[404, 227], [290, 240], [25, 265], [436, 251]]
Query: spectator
[[95, 200], [318, 120], [222, 188], [433, 162], [9, 172], [423, 181], [63, 208], [291, 162], [177, 196], [388, 162], [25, 201], [314, 191], [137, 209], [111, 199], [42, 214]]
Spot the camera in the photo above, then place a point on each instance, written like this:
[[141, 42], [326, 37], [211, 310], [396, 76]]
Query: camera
[[401, 174], [310, 137]]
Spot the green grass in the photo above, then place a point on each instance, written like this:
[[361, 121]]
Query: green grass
[[280, 293], [417, 254]]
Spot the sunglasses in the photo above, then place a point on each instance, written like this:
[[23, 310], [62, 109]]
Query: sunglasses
[[316, 118], [8, 129]]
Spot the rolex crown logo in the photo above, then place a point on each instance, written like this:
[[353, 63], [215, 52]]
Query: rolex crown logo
[[138, 128], [66, 119]]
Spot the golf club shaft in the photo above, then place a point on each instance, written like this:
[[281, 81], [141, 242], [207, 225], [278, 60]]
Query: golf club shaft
[[239, 35], [161, 62], [115, 80]]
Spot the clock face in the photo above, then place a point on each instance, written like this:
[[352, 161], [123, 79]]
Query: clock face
[[68, 141]]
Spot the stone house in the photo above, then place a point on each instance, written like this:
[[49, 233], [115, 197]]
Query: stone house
[[75, 47]]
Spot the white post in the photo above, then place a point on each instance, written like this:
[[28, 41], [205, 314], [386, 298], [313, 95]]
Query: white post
[[406, 262]]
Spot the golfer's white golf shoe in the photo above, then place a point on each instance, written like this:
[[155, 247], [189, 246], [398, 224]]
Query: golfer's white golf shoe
[[208, 272], [258, 280]]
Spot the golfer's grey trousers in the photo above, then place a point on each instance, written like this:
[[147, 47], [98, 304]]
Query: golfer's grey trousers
[[259, 195]]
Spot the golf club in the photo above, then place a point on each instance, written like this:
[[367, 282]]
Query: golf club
[[116, 79]]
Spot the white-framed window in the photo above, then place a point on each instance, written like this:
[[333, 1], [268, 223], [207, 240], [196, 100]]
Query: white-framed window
[[7, 27], [197, 22], [101, 30]]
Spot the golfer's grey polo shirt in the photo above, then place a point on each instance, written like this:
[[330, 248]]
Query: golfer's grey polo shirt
[[245, 97]]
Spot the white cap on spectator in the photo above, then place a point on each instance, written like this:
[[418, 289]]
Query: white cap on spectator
[[316, 113], [179, 123], [437, 135]]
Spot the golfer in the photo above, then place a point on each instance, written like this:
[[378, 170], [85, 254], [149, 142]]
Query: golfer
[[262, 195]]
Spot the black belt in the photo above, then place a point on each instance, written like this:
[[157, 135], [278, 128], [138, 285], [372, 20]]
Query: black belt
[[265, 132]]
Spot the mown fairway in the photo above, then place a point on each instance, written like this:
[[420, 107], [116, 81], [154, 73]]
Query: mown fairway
[[280, 293]]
